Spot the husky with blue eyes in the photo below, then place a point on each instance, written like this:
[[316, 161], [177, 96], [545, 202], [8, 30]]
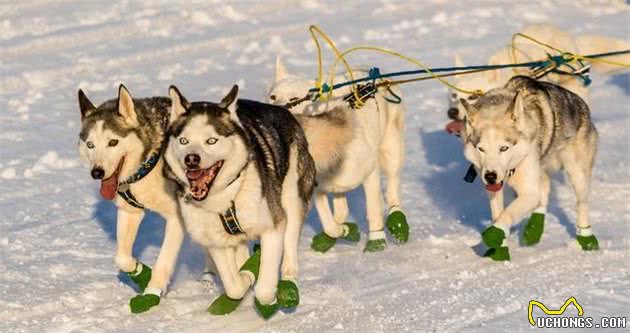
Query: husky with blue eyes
[[244, 172], [123, 139], [517, 136]]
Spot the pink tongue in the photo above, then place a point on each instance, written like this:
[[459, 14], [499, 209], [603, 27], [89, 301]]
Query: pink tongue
[[455, 127], [494, 187], [194, 174], [109, 187]]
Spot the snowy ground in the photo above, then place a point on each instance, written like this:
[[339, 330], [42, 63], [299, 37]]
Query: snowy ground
[[57, 237]]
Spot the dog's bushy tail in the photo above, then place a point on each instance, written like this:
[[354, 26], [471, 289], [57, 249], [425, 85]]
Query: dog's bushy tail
[[327, 134], [593, 44]]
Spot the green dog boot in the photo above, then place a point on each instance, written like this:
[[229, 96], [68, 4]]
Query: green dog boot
[[353, 232], [375, 245], [498, 254], [588, 243], [534, 229], [493, 237], [142, 303], [223, 305], [252, 264], [141, 276], [322, 242], [266, 310], [288, 294], [398, 226]]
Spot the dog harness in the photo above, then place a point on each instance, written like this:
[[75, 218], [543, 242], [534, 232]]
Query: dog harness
[[230, 221], [124, 189]]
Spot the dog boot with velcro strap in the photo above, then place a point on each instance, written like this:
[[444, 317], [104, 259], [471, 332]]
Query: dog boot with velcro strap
[[322, 242], [144, 302], [501, 253], [140, 276], [288, 294], [376, 242], [351, 232], [223, 305], [495, 238], [266, 310], [586, 239], [398, 226], [534, 229], [252, 265]]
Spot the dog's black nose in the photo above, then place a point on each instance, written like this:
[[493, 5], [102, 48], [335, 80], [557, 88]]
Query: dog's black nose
[[192, 161], [490, 177], [453, 113], [98, 173]]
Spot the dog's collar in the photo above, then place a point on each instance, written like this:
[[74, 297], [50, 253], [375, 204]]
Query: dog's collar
[[230, 221], [144, 169]]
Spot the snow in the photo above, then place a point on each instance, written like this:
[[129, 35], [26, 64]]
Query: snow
[[57, 237]]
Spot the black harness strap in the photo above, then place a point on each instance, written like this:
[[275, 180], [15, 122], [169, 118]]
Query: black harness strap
[[230, 221]]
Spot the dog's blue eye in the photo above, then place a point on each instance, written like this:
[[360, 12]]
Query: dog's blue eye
[[503, 148], [112, 143], [89, 144], [212, 141], [183, 141]]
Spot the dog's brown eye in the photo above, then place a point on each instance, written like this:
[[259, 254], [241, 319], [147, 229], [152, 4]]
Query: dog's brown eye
[[472, 97], [504, 148], [112, 143], [89, 144], [272, 97], [212, 141], [183, 141], [454, 96], [293, 99], [481, 149]]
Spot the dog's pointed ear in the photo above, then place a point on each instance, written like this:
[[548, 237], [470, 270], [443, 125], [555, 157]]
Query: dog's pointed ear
[[85, 105], [492, 76], [126, 108], [228, 102], [516, 110], [468, 112], [179, 104], [281, 71]]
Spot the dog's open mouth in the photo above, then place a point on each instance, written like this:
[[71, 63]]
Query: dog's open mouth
[[109, 186], [494, 187], [201, 180], [455, 127]]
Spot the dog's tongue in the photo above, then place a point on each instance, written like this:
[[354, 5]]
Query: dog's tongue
[[195, 174], [455, 127], [109, 187], [494, 187]]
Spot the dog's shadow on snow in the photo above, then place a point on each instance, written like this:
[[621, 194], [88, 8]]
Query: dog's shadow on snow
[[465, 201], [356, 204], [150, 234]]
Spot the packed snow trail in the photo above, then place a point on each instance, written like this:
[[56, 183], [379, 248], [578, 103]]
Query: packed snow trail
[[57, 236]]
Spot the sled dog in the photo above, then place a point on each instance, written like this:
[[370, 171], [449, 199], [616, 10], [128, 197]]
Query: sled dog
[[244, 172], [363, 143], [526, 50], [122, 139], [518, 135]]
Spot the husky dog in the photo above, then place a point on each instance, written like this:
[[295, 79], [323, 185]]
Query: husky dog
[[350, 148], [518, 135], [526, 50], [244, 172], [122, 139]]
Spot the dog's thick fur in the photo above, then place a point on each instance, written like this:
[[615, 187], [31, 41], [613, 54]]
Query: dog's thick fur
[[264, 167], [119, 135], [527, 50], [350, 148], [530, 128]]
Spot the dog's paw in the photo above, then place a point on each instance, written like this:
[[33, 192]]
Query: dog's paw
[[288, 294], [266, 310], [534, 229], [322, 242], [501, 253], [142, 303], [252, 265], [398, 226], [223, 305], [353, 232], [375, 245], [588, 243], [141, 276], [493, 237]]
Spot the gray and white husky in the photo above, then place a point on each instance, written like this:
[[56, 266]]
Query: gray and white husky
[[518, 135], [122, 139], [350, 149], [244, 172]]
